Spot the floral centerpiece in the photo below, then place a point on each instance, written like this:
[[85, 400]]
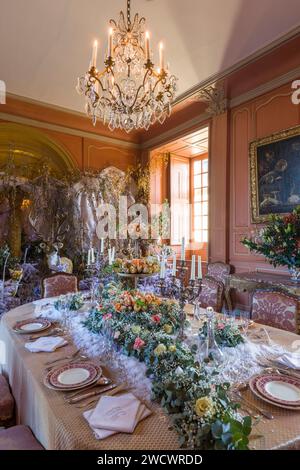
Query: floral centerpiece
[[148, 265], [227, 334], [143, 326], [279, 242]]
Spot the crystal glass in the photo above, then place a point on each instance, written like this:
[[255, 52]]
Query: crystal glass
[[244, 322]]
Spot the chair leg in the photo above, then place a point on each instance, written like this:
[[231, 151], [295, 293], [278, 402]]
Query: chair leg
[[228, 299]]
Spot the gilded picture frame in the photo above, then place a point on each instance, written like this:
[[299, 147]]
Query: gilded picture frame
[[275, 174]]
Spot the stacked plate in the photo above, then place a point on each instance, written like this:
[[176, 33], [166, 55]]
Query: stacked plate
[[31, 325], [73, 376], [279, 390]]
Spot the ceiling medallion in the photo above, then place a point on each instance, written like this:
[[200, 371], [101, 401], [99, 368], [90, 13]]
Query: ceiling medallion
[[130, 93]]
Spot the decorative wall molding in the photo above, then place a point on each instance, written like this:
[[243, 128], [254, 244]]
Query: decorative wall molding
[[67, 130], [266, 88], [214, 96]]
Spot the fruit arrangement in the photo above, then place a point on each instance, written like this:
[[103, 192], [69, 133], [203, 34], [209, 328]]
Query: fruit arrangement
[[137, 266]]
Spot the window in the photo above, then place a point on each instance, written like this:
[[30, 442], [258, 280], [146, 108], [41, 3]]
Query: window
[[180, 199], [189, 199], [200, 200]]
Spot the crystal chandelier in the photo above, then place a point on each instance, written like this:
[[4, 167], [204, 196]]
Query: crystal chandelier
[[129, 93]]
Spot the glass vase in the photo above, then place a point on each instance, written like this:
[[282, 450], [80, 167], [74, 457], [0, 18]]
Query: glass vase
[[209, 350]]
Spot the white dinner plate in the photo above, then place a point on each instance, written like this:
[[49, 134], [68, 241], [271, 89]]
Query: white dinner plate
[[73, 376]]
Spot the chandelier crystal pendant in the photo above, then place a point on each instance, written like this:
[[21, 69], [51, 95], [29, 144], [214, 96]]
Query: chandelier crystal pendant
[[130, 93]]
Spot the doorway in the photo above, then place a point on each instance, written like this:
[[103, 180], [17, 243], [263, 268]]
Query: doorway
[[184, 182]]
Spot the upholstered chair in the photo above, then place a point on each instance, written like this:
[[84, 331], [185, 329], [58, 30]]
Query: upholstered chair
[[59, 284], [278, 309], [212, 294], [6, 403], [18, 438], [219, 271]]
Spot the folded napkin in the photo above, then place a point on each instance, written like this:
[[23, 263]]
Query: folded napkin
[[116, 414], [46, 344], [291, 360]]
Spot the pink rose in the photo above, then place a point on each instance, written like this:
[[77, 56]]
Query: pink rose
[[221, 326], [138, 344], [155, 318], [108, 316]]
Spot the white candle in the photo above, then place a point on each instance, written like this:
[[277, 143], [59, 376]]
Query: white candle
[[174, 265], [102, 246], [89, 258], [183, 249], [193, 268], [94, 55], [113, 252], [92, 256], [162, 269], [199, 267], [147, 46], [110, 42], [161, 56], [109, 257]]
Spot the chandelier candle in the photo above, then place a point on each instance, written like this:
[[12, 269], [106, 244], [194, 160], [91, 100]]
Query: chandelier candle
[[94, 55], [129, 93]]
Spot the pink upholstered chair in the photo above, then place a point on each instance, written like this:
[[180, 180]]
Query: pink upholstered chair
[[6, 403], [18, 438], [212, 294], [278, 309], [59, 284], [219, 271]]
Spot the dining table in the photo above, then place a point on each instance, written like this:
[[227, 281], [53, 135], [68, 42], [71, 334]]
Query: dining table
[[59, 425]]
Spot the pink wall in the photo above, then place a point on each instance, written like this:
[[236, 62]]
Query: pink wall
[[258, 118]]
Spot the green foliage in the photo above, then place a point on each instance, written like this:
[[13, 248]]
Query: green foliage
[[279, 240], [143, 326], [227, 334]]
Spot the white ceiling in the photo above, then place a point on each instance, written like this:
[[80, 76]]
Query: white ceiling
[[45, 44]]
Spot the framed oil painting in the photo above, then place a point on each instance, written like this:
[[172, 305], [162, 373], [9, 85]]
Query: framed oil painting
[[275, 174]]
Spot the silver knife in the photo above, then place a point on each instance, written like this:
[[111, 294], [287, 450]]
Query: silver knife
[[74, 400]]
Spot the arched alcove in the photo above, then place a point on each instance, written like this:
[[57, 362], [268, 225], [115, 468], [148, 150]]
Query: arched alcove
[[31, 149]]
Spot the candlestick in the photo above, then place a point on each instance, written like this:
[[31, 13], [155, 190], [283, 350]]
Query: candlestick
[[102, 246], [193, 268], [183, 249], [89, 258], [199, 267], [147, 35], [95, 53]]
